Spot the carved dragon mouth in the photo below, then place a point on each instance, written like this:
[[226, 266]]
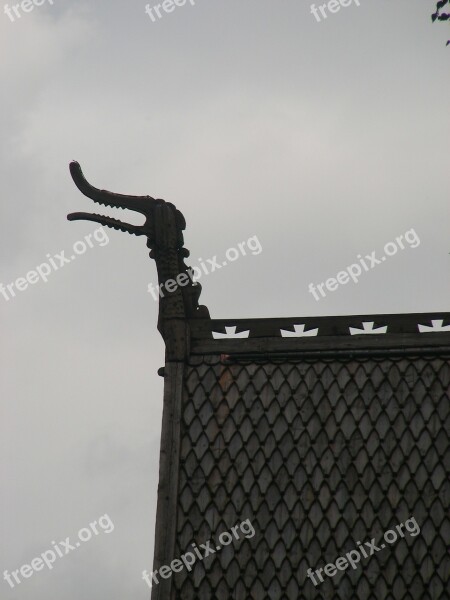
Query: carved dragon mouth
[[163, 222], [144, 205]]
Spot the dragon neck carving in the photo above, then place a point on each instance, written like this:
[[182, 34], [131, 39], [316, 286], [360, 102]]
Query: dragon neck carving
[[163, 227]]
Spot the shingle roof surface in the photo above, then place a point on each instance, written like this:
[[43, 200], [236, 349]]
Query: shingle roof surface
[[319, 455]]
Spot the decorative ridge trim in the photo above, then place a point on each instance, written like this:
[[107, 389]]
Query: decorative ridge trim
[[356, 326]]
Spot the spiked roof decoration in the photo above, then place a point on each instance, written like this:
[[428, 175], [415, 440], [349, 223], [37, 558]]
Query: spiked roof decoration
[[163, 227]]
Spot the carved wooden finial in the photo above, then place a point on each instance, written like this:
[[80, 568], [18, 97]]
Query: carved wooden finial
[[163, 227]]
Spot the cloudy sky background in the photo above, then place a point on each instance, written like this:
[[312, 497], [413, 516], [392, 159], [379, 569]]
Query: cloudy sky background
[[326, 140]]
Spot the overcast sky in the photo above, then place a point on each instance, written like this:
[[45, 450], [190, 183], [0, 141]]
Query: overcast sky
[[324, 139]]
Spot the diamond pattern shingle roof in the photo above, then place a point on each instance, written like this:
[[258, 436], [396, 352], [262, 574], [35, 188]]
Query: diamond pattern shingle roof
[[320, 453]]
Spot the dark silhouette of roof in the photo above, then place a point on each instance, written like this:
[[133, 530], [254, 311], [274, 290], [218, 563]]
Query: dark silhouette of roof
[[323, 432]]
